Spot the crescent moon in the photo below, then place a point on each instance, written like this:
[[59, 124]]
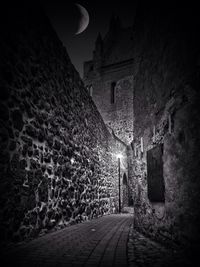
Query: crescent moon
[[84, 20]]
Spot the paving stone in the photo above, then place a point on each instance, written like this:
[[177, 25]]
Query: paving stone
[[114, 243], [76, 245], [144, 252]]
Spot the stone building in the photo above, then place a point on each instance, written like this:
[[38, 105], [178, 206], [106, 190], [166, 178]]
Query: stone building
[[109, 79], [166, 124], [144, 81]]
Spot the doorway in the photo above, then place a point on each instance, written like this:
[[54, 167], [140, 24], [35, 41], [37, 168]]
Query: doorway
[[125, 191]]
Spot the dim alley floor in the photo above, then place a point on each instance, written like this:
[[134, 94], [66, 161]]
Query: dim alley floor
[[100, 242], [108, 241]]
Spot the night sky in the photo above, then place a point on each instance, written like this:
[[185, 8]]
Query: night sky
[[64, 16]]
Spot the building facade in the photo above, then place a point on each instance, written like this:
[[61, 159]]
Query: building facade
[[144, 81], [109, 79]]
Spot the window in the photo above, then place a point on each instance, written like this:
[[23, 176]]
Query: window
[[112, 92], [155, 179], [90, 90], [125, 191]]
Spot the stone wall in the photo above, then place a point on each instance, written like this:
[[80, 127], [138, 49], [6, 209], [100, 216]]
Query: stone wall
[[57, 159], [112, 66], [166, 111], [117, 115]]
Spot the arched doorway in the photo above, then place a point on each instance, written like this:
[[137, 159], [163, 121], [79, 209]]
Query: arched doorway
[[125, 191]]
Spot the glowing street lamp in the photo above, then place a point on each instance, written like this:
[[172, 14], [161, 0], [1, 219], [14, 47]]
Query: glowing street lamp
[[119, 156]]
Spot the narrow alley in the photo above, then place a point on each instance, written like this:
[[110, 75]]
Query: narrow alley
[[99, 134]]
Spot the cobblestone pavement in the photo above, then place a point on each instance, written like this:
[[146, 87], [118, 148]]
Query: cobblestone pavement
[[143, 252], [100, 242], [109, 241]]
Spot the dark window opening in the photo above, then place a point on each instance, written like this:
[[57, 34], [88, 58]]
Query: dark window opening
[[124, 179], [125, 191], [91, 90], [130, 201], [155, 179], [112, 99]]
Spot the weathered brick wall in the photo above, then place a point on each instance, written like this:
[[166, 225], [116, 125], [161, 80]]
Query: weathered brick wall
[[166, 85], [57, 158]]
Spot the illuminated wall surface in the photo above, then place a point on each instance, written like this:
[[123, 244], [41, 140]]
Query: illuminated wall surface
[[57, 158]]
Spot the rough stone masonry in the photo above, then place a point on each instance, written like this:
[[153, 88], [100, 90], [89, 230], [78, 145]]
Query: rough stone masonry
[[166, 124], [57, 158], [56, 154], [157, 114]]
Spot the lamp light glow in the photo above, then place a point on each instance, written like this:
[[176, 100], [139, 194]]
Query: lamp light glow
[[119, 156]]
